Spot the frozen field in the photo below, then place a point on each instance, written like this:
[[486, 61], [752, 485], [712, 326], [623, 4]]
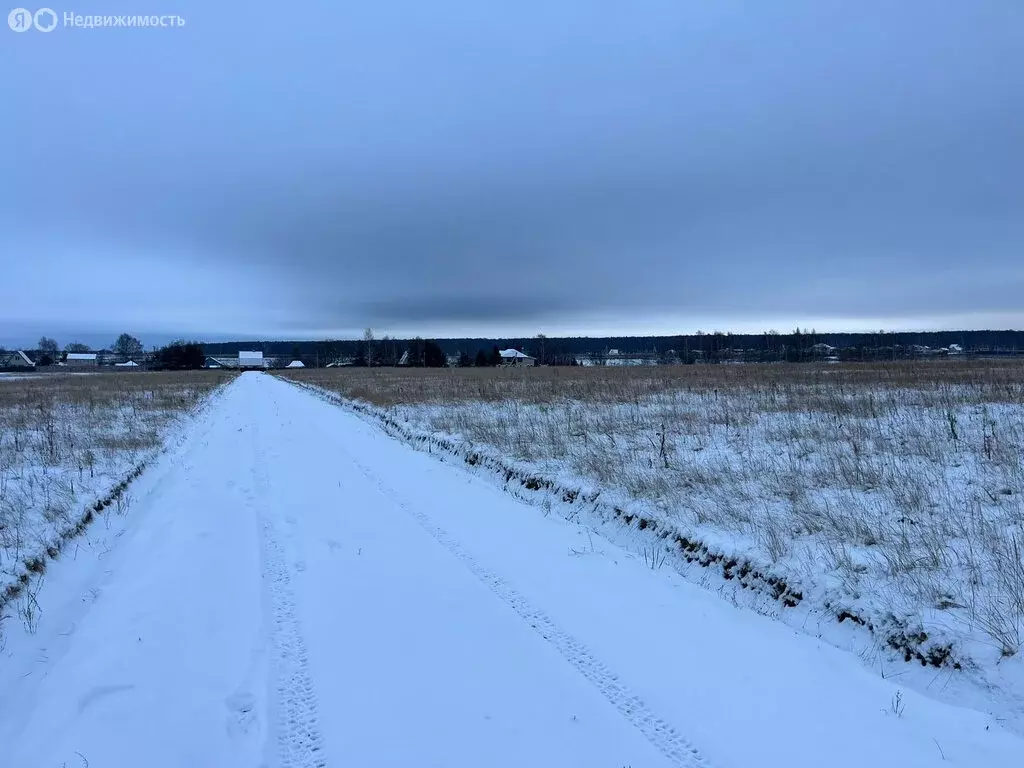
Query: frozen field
[[66, 441], [292, 587], [889, 499]]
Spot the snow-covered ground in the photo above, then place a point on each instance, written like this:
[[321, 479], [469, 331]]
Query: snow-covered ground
[[294, 588], [65, 442], [886, 514], [889, 502]]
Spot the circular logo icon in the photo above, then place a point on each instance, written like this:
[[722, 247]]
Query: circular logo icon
[[20, 19], [45, 20]]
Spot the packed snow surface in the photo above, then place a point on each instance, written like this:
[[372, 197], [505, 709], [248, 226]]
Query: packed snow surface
[[294, 588]]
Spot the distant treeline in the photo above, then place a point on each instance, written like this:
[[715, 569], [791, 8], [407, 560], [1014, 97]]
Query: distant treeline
[[797, 346]]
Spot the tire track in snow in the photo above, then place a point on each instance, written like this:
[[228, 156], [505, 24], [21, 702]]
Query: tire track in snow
[[664, 737], [300, 742]]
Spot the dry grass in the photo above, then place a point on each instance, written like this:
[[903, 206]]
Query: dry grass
[[67, 439], [897, 487], [994, 381]]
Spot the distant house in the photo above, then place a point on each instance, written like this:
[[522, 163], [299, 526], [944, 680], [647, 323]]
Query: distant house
[[127, 365], [296, 364], [15, 360], [249, 359], [515, 357], [82, 360]]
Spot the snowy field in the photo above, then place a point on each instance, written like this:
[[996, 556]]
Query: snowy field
[[67, 442], [295, 588], [888, 498]]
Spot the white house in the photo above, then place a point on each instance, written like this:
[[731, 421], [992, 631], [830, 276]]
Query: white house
[[127, 365], [515, 357], [15, 360], [82, 359], [295, 364], [247, 359]]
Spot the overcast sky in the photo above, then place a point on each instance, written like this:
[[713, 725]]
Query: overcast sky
[[464, 167]]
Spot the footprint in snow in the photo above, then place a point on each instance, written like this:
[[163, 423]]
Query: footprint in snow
[[242, 718]]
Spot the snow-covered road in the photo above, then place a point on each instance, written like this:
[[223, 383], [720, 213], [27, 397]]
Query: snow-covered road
[[293, 588]]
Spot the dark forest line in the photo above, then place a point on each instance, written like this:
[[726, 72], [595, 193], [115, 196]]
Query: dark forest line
[[767, 346]]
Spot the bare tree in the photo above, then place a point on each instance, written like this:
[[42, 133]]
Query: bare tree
[[368, 338]]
